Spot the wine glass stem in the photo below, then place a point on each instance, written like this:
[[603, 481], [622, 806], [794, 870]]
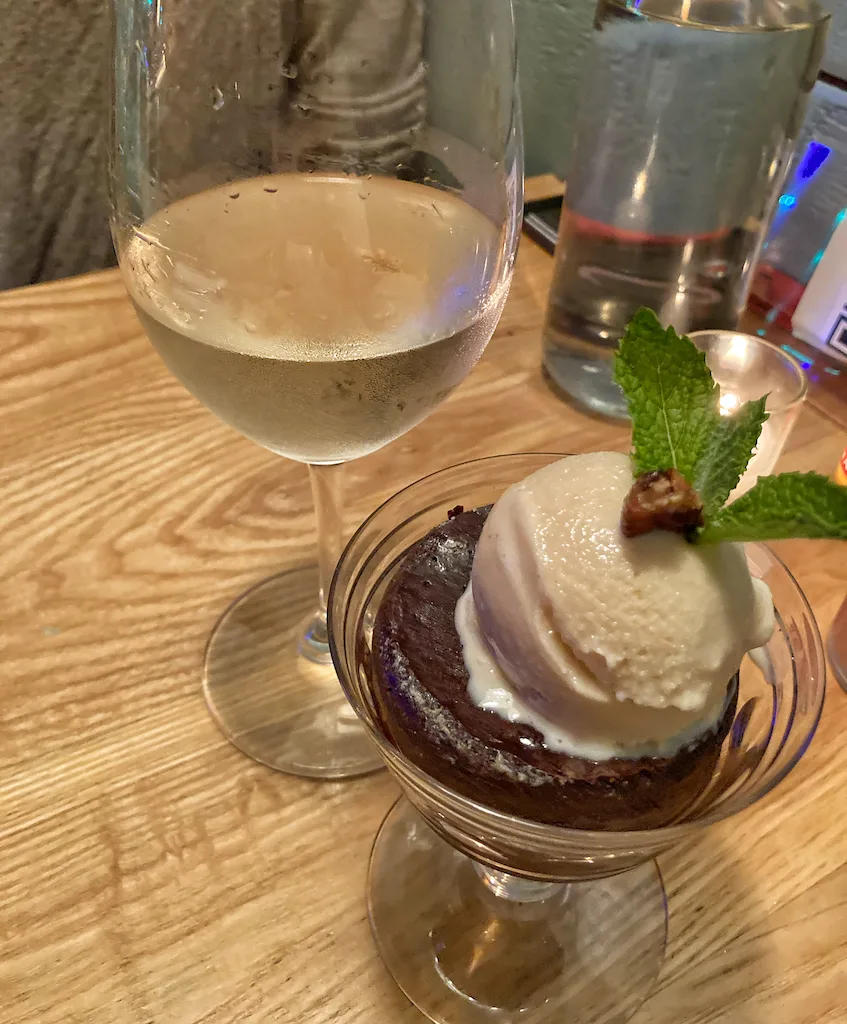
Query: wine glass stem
[[327, 494], [518, 890]]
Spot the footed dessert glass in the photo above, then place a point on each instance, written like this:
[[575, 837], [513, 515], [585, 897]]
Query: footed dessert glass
[[485, 917]]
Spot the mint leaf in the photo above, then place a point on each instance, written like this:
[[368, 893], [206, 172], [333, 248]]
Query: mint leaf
[[670, 394], [676, 424], [777, 507], [729, 445]]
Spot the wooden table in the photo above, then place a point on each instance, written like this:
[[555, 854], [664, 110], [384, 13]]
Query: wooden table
[[151, 874]]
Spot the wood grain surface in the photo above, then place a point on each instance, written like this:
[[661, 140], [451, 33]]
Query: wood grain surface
[[151, 874]]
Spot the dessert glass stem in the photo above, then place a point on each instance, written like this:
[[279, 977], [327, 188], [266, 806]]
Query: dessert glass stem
[[471, 944], [511, 887], [326, 481]]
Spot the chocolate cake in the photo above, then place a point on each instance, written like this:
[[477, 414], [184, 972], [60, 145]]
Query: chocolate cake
[[420, 686]]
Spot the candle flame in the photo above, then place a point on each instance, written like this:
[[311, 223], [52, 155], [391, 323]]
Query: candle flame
[[728, 403]]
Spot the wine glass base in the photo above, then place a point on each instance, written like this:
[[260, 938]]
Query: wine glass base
[[277, 706], [587, 952]]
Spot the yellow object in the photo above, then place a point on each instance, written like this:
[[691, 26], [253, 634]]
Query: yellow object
[[841, 470]]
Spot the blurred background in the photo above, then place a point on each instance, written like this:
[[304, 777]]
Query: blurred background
[[53, 132]]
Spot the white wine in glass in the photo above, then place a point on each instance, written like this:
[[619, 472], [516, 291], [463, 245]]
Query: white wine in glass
[[327, 315], [317, 228]]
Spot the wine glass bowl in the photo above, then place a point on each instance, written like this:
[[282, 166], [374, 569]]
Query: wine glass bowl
[[779, 705], [316, 210], [326, 359]]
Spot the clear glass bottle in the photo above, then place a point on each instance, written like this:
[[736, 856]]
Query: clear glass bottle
[[688, 115]]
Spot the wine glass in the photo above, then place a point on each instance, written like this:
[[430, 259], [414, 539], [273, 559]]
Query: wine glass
[[483, 917], [316, 208]]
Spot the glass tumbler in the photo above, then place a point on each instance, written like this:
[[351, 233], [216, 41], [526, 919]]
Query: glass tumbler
[[482, 916], [746, 367]]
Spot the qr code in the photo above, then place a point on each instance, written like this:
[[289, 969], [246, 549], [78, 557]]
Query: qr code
[[838, 335]]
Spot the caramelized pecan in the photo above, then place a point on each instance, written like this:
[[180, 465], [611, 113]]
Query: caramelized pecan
[[661, 500]]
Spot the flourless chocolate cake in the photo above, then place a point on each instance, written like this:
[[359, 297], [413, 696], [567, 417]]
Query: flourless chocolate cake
[[420, 683]]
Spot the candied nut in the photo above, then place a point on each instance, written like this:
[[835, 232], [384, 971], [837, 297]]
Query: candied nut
[[661, 500]]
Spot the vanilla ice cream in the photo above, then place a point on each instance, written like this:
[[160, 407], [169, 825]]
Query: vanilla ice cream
[[609, 647]]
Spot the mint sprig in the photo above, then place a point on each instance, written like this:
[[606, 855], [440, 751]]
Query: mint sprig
[[782, 506], [727, 451], [676, 421], [677, 424], [670, 395]]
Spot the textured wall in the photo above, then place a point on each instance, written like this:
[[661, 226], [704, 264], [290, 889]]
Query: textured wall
[[52, 121], [552, 37]]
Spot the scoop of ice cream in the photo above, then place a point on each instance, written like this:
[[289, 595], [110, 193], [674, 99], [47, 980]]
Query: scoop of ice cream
[[609, 646]]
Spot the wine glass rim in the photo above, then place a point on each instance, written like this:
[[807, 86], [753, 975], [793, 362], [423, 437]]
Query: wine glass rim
[[801, 379], [668, 833]]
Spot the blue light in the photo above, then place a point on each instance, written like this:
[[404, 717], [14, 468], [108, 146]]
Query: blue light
[[807, 166], [807, 364], [815, 157]]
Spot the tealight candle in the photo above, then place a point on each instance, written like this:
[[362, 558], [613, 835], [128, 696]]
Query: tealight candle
[[746, 367]]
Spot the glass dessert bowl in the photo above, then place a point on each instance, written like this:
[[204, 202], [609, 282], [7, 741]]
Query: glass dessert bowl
[[482, 915]]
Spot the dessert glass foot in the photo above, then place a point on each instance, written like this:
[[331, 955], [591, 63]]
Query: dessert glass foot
[[271, 687], [468, 944], [449, 931]]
